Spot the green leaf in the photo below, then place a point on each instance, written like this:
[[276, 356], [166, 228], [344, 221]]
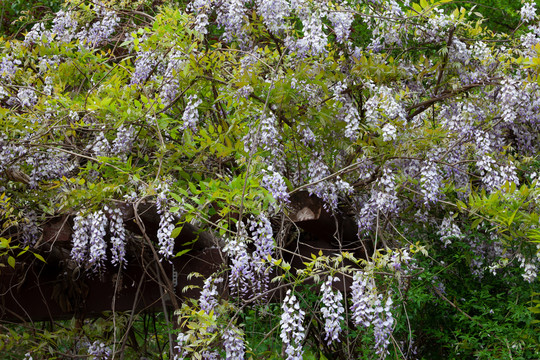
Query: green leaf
[[39, 257], [182, 252], [176, 232], [11, 261]]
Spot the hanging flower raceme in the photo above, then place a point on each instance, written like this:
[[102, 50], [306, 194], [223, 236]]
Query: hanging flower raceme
[[166, 224], [262, 255], [98, 245], [208, 299], [233, 342], [241, 277], [191, 114], [367, 310], [274, 182], [81, 235], [332, 310], [118, 237], [292, 328], [89, 245]]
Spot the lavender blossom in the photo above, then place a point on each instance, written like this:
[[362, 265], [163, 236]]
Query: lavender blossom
[[367, 310], [233, 341], [201, 9], [100, 31], [383, 200], [352, 119], [449, 230], [342, 22], [37, 34], [382, 327], [208, 299], [64, 26], [363, 297], [8, 67], [269, 135], [48, 165], [166, 225], [124, 140], [241, 276], [292, 330], [30, 229], [325, 189], [332, 310], [275, 184], [431, 181], [144, 65], [80, 239], [118, 237], [191, 114], [98, 245], [99, 351], [262, 255], [169, 89], [389, 132], [528, 11], [231, 16], [315, 40], [274, 13], [27, 97], [101, 146]]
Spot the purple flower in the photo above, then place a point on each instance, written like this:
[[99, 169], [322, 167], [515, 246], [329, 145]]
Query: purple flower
[[208, 299], [274, 13], [382, 327], [144, 65], [124, 140], [528, 11], [275, 184], [241, 273], [64, 25], [263, 239], [230, 15], [118, 237], [99, 351], [431, 181], [80, 239], [101, 30], [332, 310], [166, 225], [292, 330], [363, 297], [191, 114], [233, 342], [341, 21], [8, 67], [27, 97], [98, 246]]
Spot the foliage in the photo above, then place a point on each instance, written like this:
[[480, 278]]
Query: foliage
[[420, 127]]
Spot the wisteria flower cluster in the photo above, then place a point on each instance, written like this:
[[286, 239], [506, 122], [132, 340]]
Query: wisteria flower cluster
[[368, 310], [292, 328], [449, 230], [9, 67], [275, 184], [166, 224], [99, 351], [383, 200], [209, 294], [332, 310], [233, 341], [250, 271], [321, 185], [89, 248], [190, 117]]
